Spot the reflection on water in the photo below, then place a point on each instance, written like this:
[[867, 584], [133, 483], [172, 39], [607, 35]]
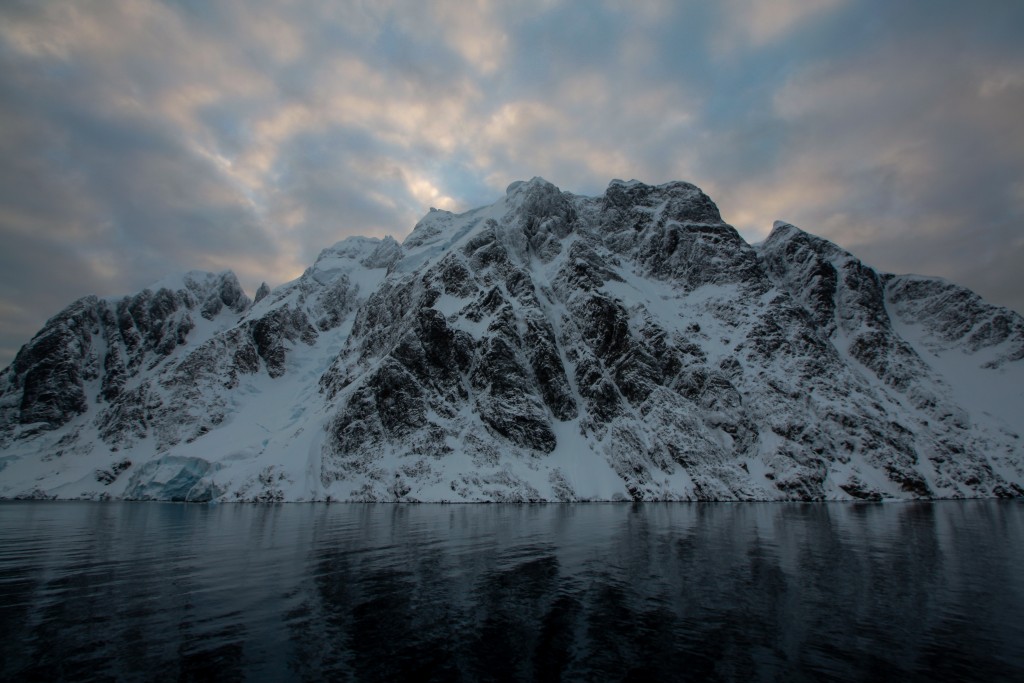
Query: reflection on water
[[511, 592]]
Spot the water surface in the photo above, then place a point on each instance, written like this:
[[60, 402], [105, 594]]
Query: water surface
[[749, 591]]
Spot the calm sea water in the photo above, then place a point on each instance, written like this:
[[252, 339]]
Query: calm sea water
[[147, 591]]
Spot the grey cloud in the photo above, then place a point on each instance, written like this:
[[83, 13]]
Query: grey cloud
[[98, 199], [146, 137], [338, 197], [137, 181], [923, 159], [40, 278]]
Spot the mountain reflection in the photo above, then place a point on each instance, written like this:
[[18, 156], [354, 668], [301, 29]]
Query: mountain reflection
[[512, 592]]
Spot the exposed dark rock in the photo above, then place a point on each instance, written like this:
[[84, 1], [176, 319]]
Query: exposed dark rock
[[548, 370], [505, 397], [49, 372], [261, 292], [270, 333], [953, 316]]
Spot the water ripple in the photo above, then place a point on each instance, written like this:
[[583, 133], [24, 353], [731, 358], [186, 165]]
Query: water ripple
[[512, 592]]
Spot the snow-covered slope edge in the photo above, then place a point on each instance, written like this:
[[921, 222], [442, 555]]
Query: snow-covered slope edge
[[547, 347]]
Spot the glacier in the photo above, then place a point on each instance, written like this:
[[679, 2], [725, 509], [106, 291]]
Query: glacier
[[548, 347]]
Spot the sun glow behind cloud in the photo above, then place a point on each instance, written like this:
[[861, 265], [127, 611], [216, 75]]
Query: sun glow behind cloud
[[140, 137]]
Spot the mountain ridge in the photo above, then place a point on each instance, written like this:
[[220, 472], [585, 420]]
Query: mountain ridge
[[550, 346]]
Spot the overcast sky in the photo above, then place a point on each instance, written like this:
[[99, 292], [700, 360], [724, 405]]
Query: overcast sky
[[140, 138]]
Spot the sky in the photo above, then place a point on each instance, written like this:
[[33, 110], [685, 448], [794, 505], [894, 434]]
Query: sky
[[141, 138]]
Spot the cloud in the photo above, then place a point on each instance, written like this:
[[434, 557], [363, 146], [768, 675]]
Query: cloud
[[752, 24], [1000, 82], [914, 147], [139, 137]]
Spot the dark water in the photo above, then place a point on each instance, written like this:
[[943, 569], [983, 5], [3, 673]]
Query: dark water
[[504, 592]]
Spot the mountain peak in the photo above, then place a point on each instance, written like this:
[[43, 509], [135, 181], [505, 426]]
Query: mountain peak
[[677, 200], [534, 182], [196, 281], [359, 250], [211, 291], [549, 346]]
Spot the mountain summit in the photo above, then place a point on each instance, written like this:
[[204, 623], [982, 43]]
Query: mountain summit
[[549, 347]]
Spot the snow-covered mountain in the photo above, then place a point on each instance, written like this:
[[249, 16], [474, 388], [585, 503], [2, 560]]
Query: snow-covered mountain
[[547, 347]]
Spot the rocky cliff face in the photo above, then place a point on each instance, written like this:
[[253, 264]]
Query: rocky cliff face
[[547, 347]]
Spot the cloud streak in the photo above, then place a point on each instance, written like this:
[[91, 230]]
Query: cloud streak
[[139, 137]]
